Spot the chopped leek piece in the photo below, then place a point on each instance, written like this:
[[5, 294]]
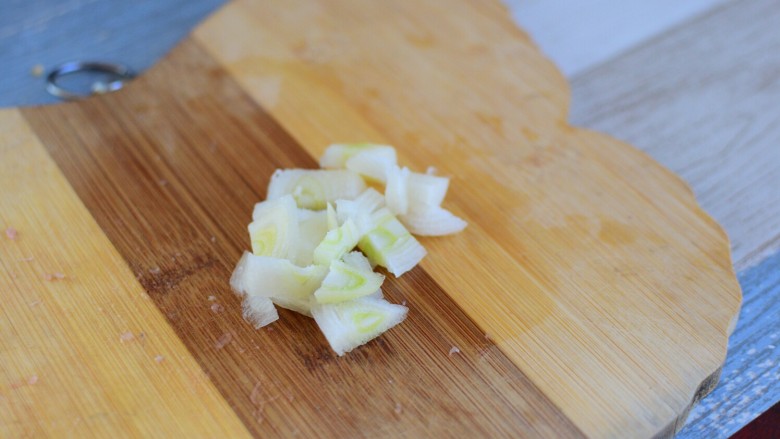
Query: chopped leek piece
[[397, 190], [333, 221], [286, 284], [373, 163], [426, 190], [345, 282], [390, 245], [312, 225], [337, 242], [336, 155], [274, 231], [357, 260], [313, 189], [347, 325], [259, 311], [433, 221], [360, 209]]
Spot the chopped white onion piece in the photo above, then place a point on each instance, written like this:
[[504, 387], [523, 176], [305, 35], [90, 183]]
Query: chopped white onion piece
[[397, 190], [333, 221], [337, 154], [390, 245], [347, 325], [357, 260], [259, 311], [312, 226], [337, 242], [360, 209], [426, 190], [433, 221], [313, 189], [373, 163], [274, 231], [286, 284], [345, 282]]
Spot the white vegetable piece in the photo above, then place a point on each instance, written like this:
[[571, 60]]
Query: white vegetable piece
[[347, 325], [274, 231], [397, 190], [312, 225], [345, 282], [313, 189], [259, 311], [333, 221], [432, 221], [360, 209], [336, 155], [357, 260], [373, 163], [426, 190], [286, 284], [390, 245]]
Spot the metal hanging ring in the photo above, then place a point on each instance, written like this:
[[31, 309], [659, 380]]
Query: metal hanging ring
[[123, 73]]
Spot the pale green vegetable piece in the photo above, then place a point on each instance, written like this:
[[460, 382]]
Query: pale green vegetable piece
[[336, 155], [397, 190], [373, 163], [347, 325], [274, 231], [337, 242], [286, 284], [390, 244], [432, 221], [259, 311], [345, 282], [314, 189], [359, 261]]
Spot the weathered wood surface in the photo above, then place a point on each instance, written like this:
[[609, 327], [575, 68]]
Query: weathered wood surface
[[751, 400], [703, 101], [84, 352]]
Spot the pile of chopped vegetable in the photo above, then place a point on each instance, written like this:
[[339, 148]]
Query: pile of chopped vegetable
[[304, 238]]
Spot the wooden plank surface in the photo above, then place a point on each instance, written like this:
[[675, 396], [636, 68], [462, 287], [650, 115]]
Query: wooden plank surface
[[750, 383], [322, 89], [170, 170], [79, 337], [579, 36], [268, 89], [713, 121]]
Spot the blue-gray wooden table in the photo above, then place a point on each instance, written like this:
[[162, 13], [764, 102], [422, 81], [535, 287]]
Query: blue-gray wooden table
[[695, 85]]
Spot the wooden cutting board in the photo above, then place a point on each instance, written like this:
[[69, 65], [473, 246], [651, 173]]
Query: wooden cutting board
[[590, 295]]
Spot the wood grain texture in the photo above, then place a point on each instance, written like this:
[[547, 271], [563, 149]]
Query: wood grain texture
[[703, 101], [579, 36], [750, 383], [68, 297], [608, 293], [592, 267], [170, 169]]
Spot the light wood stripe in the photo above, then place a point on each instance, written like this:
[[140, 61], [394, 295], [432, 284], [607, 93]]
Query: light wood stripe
[[65, 372], [187, 123], [593, 267]]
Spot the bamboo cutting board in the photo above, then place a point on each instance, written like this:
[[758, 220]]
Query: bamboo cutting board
[[590, 295]]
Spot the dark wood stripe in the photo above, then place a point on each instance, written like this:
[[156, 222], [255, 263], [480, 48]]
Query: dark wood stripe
[[170, 168]]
